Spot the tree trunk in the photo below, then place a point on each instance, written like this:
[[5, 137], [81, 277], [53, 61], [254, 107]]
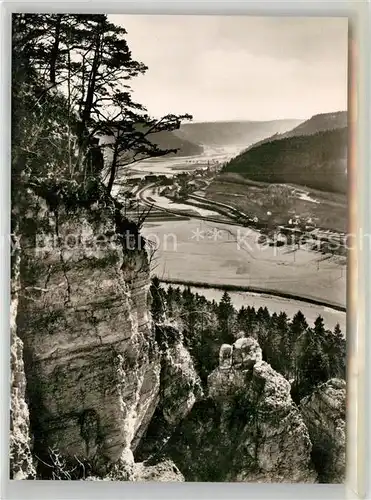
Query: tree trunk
[[88, 105], [55, 49], [113, 170]]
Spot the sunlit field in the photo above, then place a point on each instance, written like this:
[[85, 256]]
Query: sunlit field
[[225, 254]]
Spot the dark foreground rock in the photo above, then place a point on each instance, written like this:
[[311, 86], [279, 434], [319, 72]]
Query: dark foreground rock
[[162, 472], [165, 471], [248, 429], [324, 414]]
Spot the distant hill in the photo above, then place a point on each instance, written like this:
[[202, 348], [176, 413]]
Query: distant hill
[[320, 123], [317, 123], [171, 140], [233, 132], [318, 160]]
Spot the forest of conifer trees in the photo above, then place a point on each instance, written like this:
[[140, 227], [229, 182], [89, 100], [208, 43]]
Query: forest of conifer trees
[[304, 355]]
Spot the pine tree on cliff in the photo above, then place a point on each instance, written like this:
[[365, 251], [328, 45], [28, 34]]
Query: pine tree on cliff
[[170, 301], [337, 331], [335, 348], [340, 341], [261, 322], [189, 315], [319, 327], [276, 341], [157, 300], [298, 328], [284, 345], [177, 295], [226, 318], [314, 362], [242, 320], [87, 59]]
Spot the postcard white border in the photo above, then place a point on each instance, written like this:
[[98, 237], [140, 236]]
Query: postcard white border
[[358, 477]]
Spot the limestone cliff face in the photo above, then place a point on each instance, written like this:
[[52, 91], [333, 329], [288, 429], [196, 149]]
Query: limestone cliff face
[[324, 414], [92, 364], [248, 429], [21, 463]]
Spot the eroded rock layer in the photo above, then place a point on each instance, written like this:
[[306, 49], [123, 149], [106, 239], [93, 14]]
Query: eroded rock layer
[[180, 389], [248, 429], [180, 384], [91, 359], [21, 463]]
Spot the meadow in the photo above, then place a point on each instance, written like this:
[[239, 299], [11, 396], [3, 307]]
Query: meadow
[[202, 251]]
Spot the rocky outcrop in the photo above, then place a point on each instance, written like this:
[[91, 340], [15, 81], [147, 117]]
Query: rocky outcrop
[[180, 389], [21, 463], [324, 414], [248, 429], [165, 471], [180, 384], [92, 364]]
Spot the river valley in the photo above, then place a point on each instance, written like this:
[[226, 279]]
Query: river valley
[[200, 249]]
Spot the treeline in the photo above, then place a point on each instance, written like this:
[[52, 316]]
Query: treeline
[[317, 161], [306, 356]]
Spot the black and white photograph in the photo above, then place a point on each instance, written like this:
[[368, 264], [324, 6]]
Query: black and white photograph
[[179, 243]]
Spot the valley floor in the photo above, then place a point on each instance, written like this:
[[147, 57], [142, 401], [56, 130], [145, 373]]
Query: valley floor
[[200, 251], [328, 210]]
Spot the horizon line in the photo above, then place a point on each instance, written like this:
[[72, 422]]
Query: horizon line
[[232, 120]]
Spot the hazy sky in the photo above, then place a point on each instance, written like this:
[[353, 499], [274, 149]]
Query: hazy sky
[[227, 68]]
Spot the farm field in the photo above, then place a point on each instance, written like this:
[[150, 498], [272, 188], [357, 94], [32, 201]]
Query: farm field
[[202, 251]]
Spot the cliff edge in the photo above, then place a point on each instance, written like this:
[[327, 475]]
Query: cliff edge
[[92, 363]]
